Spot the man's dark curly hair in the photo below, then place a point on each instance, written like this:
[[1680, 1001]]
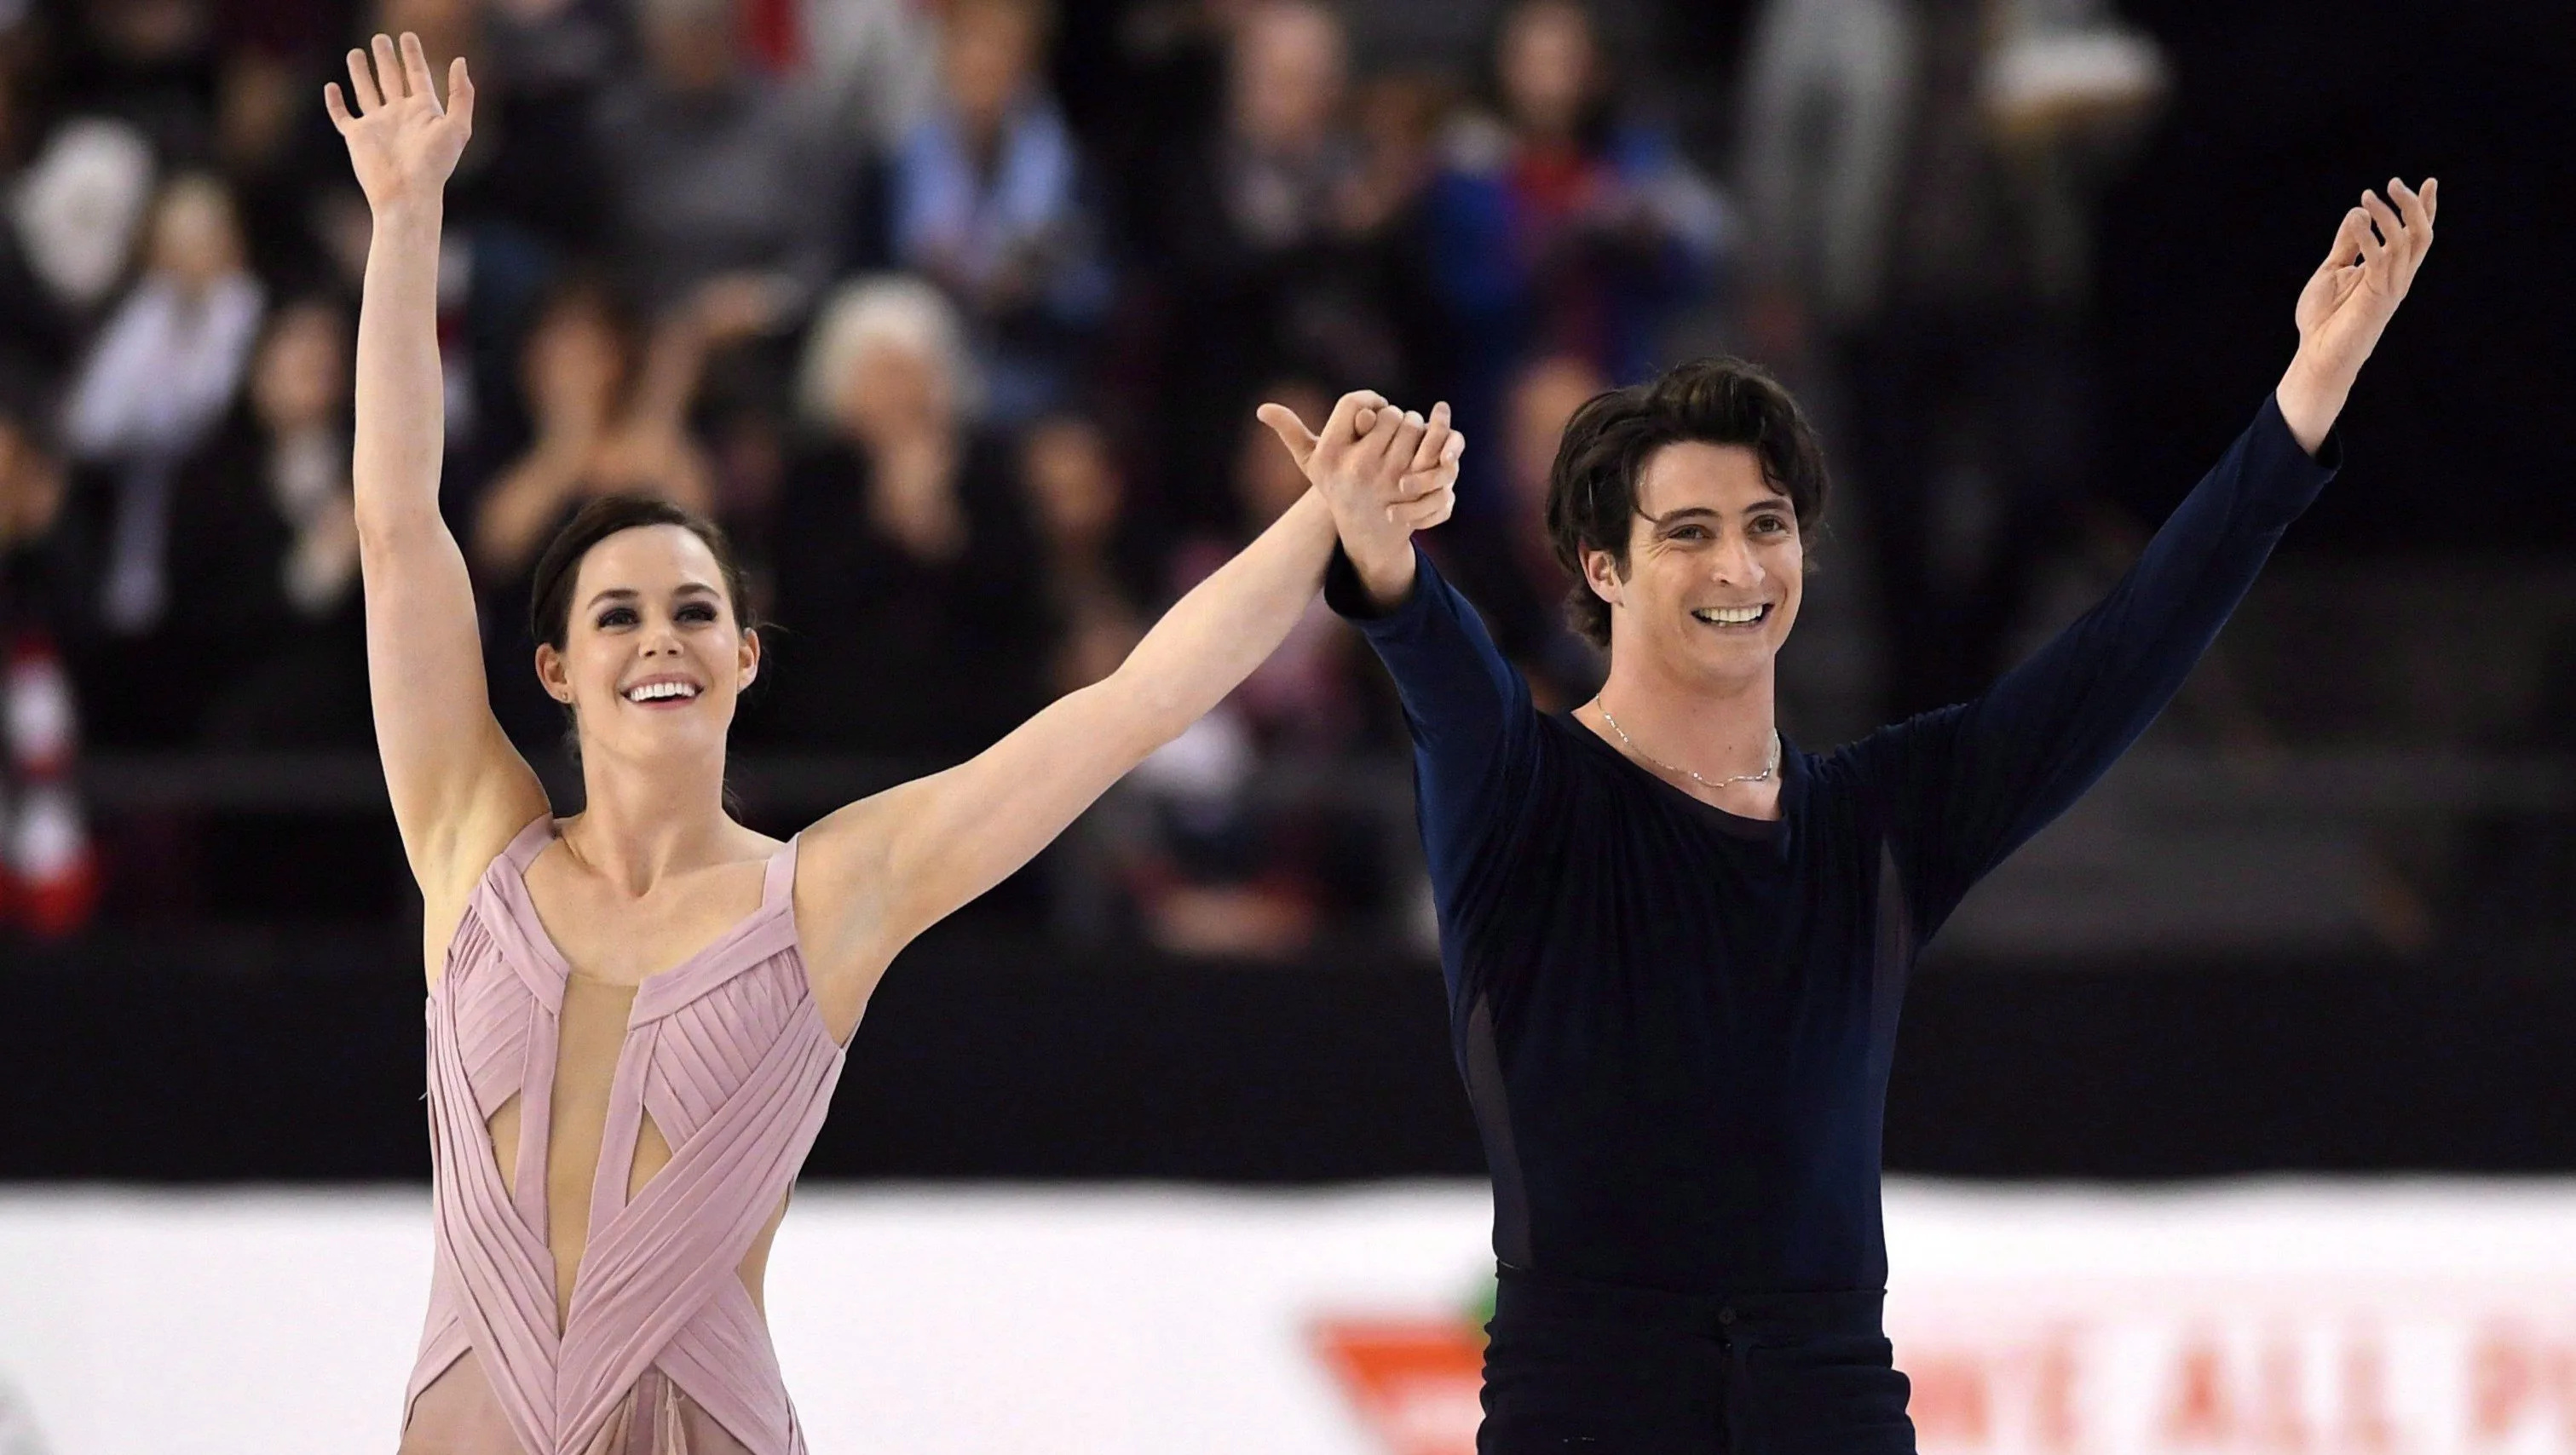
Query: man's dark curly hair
[[1592, 488]]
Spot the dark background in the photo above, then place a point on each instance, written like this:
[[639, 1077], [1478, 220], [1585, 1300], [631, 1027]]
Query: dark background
[[242, 1052]]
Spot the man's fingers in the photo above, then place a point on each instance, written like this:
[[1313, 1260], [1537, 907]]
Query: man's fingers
[[415, 68], [1437, 475], [1434, 439], [1291, 430], [1410, 428], [1426, 512], [2432, 198], [388, 69], [2392, 234], [335, 108], [362, 84], [2347, 240], [2417, 210]]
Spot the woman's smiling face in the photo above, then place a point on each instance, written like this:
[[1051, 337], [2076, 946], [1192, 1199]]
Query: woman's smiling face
[[654, 657]]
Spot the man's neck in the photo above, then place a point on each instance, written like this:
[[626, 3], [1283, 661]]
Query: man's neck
[[1678, 726]]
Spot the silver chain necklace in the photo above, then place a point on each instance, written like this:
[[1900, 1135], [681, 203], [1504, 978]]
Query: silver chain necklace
[[1768, 768]]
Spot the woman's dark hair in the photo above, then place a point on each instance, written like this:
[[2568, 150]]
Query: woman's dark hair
[[1592, 487], [550, 594]]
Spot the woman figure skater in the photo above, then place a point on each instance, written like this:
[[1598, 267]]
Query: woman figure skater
[[636, 1014]]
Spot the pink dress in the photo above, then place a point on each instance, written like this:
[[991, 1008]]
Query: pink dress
[[726, 1060]]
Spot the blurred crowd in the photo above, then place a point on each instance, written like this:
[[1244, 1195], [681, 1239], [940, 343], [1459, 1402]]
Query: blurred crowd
[[966, 367]]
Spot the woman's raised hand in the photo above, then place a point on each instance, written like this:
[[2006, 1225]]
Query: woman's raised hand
[[401, 141]]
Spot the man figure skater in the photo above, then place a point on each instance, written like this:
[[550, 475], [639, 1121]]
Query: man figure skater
[[1675, 945]]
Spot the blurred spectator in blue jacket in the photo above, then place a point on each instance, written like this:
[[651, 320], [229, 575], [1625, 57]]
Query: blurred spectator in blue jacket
[[987, 201], [1560, 226]]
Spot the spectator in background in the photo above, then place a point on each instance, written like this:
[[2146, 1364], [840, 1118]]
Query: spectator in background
[[1560, 226], [75, 213], [1218, 867], [712, 174], [48, 870], [1077, 494], [869, 68], [1515, 578], [150, 64], [1269, 251], [37, 323], [911, 615], [986, 203], [264, 551], [1957, 332], [161, 376], [266, 610], [610, 416], [541, 67]]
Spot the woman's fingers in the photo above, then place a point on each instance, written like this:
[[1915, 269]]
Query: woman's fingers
[[1291, 430], [362, 84], [415, 68], [388, 69], [460, 94], [1344, 423], [1372, 446]]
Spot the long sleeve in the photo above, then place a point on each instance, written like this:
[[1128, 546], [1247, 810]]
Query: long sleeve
[[1474, 727], [1966, 785]]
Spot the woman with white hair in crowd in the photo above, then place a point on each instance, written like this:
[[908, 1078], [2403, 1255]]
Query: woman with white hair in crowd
[[901, 544]]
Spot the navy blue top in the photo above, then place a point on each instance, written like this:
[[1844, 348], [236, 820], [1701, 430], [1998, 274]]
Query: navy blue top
[[1675, 1023]]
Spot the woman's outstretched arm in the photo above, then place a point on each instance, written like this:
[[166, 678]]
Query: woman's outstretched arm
[[460, 791], [884, 869]]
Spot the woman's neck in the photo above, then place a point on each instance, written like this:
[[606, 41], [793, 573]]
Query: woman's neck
[[638, 824]]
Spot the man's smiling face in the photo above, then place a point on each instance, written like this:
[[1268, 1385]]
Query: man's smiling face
[[1715, 566]]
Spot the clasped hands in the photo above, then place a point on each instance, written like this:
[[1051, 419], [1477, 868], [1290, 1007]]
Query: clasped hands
[[1385, 472]]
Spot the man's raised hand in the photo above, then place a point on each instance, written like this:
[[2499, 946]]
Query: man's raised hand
[[2350, 298], [1386, 473], [402, 143]]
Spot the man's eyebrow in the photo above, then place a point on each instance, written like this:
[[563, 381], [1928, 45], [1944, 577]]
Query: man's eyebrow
[[1683, 513]]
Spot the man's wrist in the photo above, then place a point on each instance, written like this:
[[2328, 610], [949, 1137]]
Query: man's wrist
[[1385, 574], [2310, 397]]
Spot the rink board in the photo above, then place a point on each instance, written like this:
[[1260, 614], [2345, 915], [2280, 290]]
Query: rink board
[[2314, 1317]]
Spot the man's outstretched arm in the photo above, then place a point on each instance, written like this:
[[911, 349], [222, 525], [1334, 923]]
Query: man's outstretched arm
[[1969, 784]]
